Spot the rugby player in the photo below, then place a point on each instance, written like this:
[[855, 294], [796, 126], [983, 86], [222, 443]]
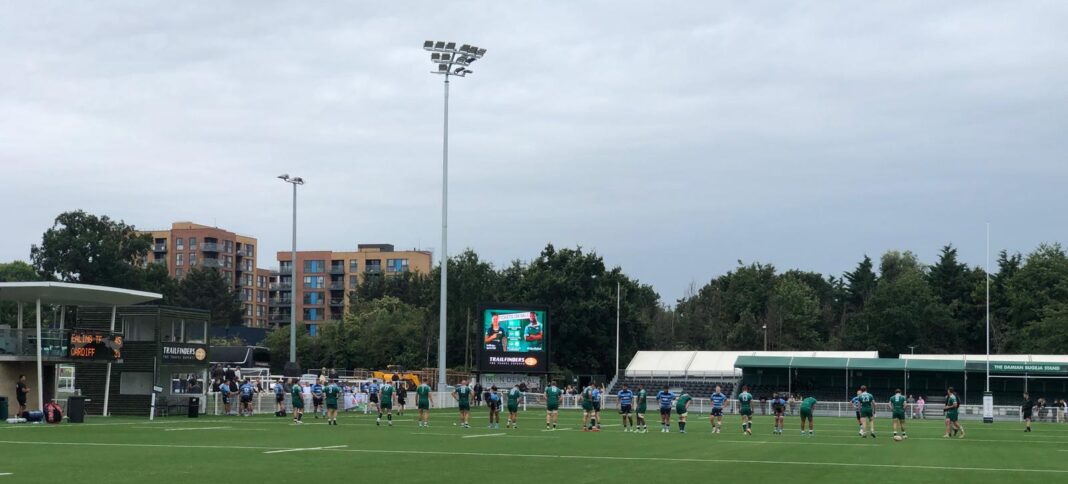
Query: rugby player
[[867, 411], [423, 400], [1026, 410], [588, 421], [246, 397], [402, 396], [372, 398], [552, 405], [513, 406], [224, 391], [493, 402], [385, 403], [317, 398], [279, 399], [639, 414], [856, 407], [665, 397], [745, 409], [598, 392], [332, 392], [898, 405], [808, 405], [462, 394], [951, 409], [626, 398], [716, 417], [778, 407], [297, 396], [682, 407]]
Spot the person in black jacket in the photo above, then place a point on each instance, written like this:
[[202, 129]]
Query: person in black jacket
[[478, 394]]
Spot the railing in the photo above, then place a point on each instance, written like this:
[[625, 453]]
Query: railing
[[372, 270], [337, 286], [337, 269], [210, 247], [23, 342], [212, 263], [281, 286], [159, 247], [337, 302], [281, 301]]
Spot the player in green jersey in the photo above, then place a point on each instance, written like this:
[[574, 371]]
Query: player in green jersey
[[641, 407], [898, 406], [745, 409], [867, 411], [386, 394], [331, 392], [589, 421], [297, 395], [423, 400], [462, 394], [682, 407], [513, 406], [552, 405], [808, 405], [951, 409]]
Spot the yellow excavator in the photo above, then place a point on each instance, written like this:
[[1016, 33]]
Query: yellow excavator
[[397, 371]]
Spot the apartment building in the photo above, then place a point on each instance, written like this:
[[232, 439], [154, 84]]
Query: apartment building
[[325, 278], [187, 245]]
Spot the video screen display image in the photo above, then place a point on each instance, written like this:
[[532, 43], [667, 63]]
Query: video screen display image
[[514, 339]]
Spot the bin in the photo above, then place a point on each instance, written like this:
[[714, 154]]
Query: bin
[[75, 409], [3, 409], [194, 407]]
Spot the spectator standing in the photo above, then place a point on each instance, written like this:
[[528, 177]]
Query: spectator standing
[[21, 391], [920, 404], [478, 393], [911, 402]]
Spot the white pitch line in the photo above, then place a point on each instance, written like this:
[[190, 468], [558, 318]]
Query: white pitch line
[[304, 449], [177, 429], [555, 430], [6, 474], [164, 446], [482, 435]]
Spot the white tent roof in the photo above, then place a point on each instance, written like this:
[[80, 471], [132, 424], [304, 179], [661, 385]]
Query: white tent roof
[[69, 294], [1001, 358], [713, 363]]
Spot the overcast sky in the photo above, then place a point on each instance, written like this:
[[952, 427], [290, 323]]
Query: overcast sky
[[674, 138]]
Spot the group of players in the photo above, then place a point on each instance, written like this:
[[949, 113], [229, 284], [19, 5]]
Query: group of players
[[632, 407]]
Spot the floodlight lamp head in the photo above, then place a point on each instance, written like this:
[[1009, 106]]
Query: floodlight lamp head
[[298, 180], [284, 176], [428, 45]]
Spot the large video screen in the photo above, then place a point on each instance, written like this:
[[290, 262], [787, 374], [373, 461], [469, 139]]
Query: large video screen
[[515, 339]]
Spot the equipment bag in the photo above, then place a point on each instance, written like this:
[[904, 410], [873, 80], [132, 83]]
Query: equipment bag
[[53, 414]]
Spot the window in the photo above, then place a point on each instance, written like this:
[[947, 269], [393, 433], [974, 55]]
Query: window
[[184, 383], [192, 243], [314, 282], [261, 281], [250, 250], [192, 259], [314, 266], [313, 314], [178, 273], [195, 331], [248, 265], [228, 246], [259, 311], [354, 265], [396, 265], [178, 260], [373, 265], [285, 267], [229, 276], [172, 330], [66, 378], [139, 328], [229, 261], [354, 281], [248, 294], [248, 310], [313, 297], [261, 296], [178, 244]]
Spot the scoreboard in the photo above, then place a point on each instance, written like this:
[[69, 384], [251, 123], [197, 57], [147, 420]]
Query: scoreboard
[[94, 345], [515, 339]]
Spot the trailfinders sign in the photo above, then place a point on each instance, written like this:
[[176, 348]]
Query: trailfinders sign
[[184, 353]]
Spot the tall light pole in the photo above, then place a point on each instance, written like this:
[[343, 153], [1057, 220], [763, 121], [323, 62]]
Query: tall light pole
[[291, 368], [451, 62], [765, 328]]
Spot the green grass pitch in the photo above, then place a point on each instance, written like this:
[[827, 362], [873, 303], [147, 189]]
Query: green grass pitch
[[270, 449]]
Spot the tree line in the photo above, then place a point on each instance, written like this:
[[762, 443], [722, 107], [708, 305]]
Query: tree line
[[888, 306]]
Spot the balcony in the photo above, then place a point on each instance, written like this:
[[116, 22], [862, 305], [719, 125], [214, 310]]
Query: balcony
[[281, 301], [373, 270], [210, 247], [337, 302], [337, 270], [280, 319], [337, 286], [212, 263], [244, 283], [281, 286], [23, 342], [161, 260], [159, 247]]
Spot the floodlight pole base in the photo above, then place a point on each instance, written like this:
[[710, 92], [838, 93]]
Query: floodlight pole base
[[292, 370]]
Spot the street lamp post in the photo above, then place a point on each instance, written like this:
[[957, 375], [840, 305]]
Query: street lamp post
[[292, 369], [451, 61], [765, 328]]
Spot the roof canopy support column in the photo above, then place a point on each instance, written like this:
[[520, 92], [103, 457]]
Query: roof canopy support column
[[107, 379], [40, 365]]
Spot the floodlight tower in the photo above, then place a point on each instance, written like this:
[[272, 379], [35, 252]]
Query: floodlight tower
[[291, 368], [450, 62]]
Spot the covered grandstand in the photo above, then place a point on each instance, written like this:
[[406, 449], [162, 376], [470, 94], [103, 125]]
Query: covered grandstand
[[698, 372]]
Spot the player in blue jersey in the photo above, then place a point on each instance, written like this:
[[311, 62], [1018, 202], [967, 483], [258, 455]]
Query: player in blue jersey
[[665, 398], [856, 406], [626, 402], [224, 392], [246, 398], [778, 406], [372, 398], [598, 392], [317, 399], [279, 399], [716, 418]]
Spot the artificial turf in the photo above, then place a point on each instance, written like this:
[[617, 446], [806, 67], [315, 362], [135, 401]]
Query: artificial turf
[[271, 449]]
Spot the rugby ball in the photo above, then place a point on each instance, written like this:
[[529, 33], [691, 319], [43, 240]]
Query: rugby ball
[[897, 438]]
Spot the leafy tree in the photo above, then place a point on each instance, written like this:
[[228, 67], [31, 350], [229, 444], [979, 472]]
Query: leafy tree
[[894, 264], [205, 288], [16, 271], [793, 315], [93, 250], [381, 332]]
